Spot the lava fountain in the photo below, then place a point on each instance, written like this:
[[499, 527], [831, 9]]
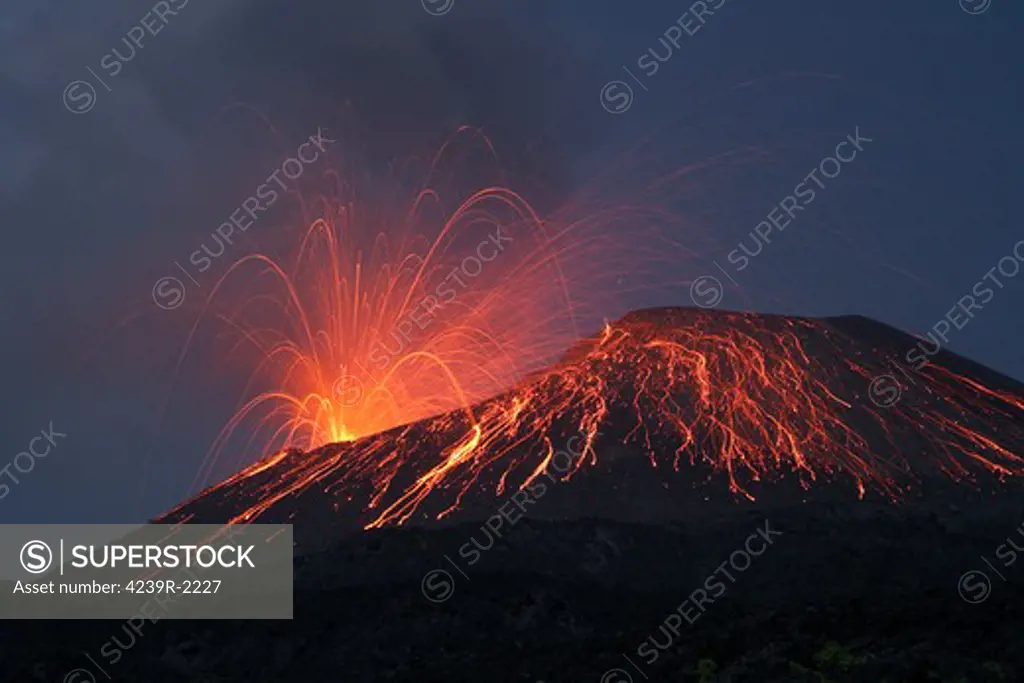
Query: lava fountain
[[398, 307]]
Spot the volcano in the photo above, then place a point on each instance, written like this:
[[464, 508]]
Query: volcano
[[666, 414], [601, 521]]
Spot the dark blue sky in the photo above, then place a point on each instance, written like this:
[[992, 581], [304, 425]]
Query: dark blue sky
[[97, 206]]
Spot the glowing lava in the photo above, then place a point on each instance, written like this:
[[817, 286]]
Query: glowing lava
[[743, 398], [394, 308], [392, 382]]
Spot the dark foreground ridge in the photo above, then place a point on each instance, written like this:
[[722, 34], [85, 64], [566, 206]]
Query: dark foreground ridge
[[840, 593]]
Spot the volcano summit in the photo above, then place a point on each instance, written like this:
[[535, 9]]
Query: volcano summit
[[671, 411]]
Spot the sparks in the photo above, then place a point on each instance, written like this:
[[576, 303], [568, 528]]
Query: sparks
[[446, 358]]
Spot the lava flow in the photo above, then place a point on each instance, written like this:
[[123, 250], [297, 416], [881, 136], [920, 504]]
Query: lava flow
[[746, 398]]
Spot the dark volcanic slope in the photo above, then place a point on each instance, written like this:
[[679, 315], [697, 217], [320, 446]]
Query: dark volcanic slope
[[864, 593], [667, 414]]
